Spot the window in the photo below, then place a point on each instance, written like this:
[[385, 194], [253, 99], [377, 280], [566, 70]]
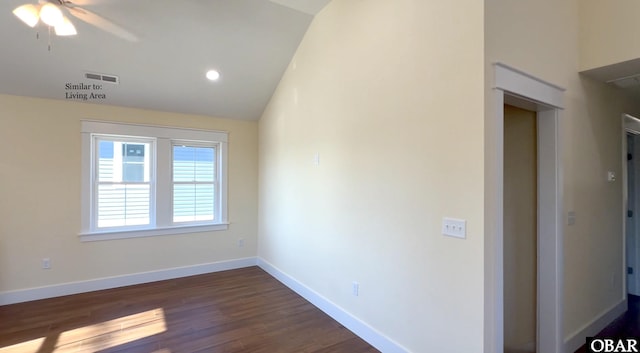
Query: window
[[147, 180], [122, 183], [193, 183]]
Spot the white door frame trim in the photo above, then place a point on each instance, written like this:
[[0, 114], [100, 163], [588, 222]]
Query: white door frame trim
[[548, 99], [630, 124]]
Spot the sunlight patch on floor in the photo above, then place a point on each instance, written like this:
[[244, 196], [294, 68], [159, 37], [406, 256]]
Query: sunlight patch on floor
[[97, 337], [23, 347]]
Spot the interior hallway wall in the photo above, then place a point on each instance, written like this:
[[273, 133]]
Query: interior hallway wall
[[389, 95], [608, 32]]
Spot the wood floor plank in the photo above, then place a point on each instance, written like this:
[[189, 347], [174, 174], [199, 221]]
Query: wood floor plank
[[236, 311]]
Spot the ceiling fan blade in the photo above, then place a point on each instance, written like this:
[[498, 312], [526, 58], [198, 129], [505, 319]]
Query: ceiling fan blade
[[102, 23]]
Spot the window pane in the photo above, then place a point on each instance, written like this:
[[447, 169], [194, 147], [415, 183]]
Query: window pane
[[193, 164], [193, 202], [105, 161], [205, 164], [133, 162], [129, 164], [106, 149], [123, 205]]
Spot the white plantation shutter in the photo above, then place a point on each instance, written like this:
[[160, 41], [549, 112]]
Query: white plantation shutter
[[194, 184], [123, 205]]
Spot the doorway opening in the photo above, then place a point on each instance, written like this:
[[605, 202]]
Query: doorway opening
[[520, 229]]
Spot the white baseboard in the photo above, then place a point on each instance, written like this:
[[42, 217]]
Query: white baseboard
[[58, 290], [361, 329], [578, 338]]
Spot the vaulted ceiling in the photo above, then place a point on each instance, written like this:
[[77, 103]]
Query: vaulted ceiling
[[250, 42]]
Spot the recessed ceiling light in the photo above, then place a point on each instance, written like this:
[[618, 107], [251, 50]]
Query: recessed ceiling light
[[213, 75]]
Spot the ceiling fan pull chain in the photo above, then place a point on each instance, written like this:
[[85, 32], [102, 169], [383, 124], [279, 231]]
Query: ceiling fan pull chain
[[49, 44]]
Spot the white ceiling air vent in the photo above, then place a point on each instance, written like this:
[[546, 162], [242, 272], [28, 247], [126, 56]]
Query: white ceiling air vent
[[626, 82], [101, 77]]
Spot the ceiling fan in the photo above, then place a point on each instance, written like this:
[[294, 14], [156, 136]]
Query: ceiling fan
[[50, 12]]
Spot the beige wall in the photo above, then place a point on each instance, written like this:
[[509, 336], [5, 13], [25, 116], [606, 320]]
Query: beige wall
[[40, 197], [389, 93], [608, 32], [520, 227], [541, 38]]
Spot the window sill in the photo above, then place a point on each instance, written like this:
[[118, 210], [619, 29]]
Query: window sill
[[139, 233]]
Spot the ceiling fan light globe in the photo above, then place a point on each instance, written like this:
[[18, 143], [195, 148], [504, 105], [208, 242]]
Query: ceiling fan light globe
[[28, 14], [66, 28], [51, 15]]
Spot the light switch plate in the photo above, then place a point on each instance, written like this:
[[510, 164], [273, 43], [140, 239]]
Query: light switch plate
[[454, 227]]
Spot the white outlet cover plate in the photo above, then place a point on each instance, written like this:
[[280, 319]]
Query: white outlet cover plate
[[453, 227]]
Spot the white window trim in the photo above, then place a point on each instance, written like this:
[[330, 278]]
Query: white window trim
[[164, 138]]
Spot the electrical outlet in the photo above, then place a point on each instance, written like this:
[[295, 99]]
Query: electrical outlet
[[240, 243], [46, 263], [355, 289]]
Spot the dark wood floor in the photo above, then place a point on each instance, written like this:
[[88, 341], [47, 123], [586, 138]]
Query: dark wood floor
[[243, 310], [626, 326]]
